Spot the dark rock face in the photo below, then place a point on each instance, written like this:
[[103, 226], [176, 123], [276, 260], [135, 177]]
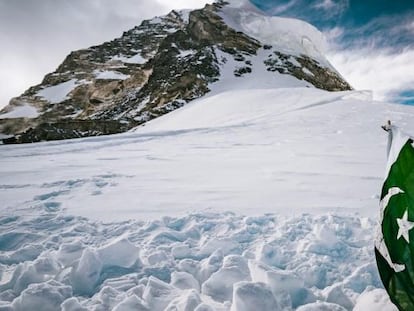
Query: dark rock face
[[305, 68], [67, 130], [151, 70]]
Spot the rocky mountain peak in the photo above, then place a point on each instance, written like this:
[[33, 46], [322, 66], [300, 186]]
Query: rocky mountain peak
[[164, 63]]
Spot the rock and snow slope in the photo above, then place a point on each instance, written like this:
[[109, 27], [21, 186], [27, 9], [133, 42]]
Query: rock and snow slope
[[165, 63], [304, 165]]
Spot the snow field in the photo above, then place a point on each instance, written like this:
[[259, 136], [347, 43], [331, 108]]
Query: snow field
[[58, 93], [244, 152], [24, 111], [305, 166], [110, 75], [202, 261]]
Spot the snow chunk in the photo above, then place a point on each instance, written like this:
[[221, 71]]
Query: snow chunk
[[41, 270], [376, 299], [120, 253], [220, 285], [24, 111], [283, 283], [186, 302], [249, 296], [211, 265], [110, 75], [131, 303], [322, 306], [43, 296], [158, 294], [58, 93], [225, 244], [108, 297], [69, 252], [336, 294], [72, 304], [86, 275], [184, 280], [362, 277], [181, 251], [204, 307]]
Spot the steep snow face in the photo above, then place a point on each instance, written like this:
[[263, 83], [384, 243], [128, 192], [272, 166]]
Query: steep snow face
[[288, 35]]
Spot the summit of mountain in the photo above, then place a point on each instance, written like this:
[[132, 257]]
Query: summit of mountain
[[164, 63]]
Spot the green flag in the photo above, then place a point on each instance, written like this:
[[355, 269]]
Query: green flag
[[394, 247]]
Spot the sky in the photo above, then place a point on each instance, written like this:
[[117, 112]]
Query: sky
[[370, 42]]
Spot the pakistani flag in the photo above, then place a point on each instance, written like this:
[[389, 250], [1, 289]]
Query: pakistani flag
[[394, 247]]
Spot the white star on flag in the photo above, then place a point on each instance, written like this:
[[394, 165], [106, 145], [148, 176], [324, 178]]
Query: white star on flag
[[404, 227]]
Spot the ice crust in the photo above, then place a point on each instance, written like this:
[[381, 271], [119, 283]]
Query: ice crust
[[86, 265]]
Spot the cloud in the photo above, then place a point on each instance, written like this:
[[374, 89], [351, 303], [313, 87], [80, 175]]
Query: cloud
[[386, 72], [386, 31], [376, 55], [332, 8], [41, 33], [279, 9]]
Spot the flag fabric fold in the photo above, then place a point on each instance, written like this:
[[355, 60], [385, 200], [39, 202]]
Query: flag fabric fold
[[394, 246]]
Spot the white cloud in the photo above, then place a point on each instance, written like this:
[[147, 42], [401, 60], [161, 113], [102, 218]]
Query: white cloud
[[325, 4], [386, 73], [334, 34], [283, 7], [332, 8], [41, 33]]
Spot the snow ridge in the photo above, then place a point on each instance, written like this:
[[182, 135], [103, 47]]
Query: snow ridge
[[288, 35]]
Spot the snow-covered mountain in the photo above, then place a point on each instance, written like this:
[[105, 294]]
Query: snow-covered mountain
[[165, 63]]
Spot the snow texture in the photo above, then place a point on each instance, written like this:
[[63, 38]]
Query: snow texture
[[110, 75], [302, 164], [136, 59], [54, 260], [58, 93], [24, 111]]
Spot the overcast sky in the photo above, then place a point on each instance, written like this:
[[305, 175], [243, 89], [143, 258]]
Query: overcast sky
[[371, 40], [36, 35]]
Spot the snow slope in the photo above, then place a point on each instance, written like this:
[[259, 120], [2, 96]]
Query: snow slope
[[262, 197], [248, 151], [24, 111]]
